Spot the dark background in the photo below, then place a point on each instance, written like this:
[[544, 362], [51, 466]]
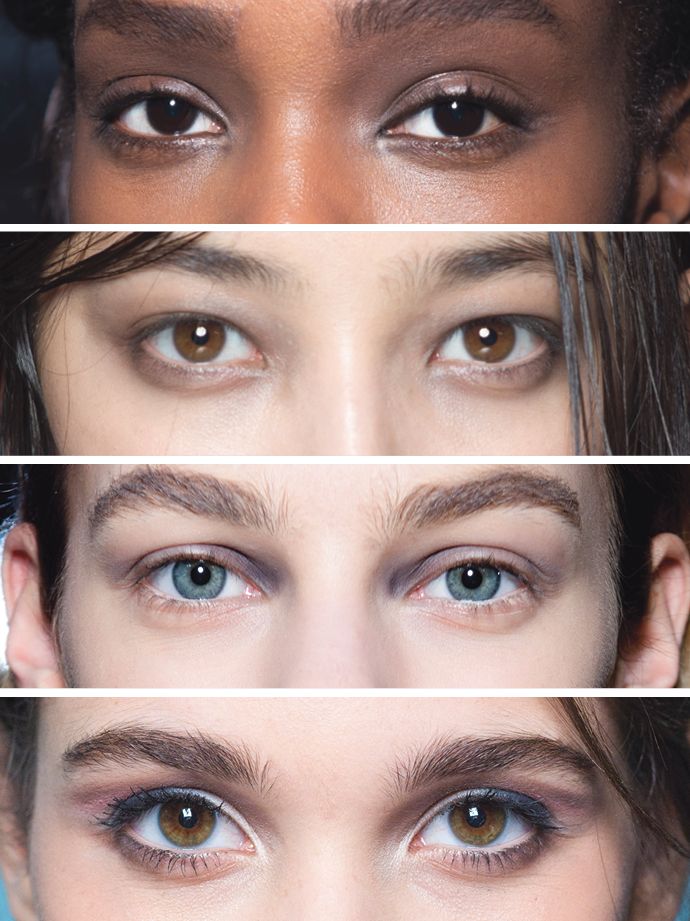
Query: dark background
[[27, 72]]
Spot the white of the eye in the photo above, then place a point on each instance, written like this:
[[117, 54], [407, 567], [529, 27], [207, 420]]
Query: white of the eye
[[162, 581], [439, 831], [438, 588], [236, 347], [454, 348], [136, 120], [226, 834], [423, 124]]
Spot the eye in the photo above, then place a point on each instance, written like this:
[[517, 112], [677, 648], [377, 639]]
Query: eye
[[474, 582], [178, 820], [483, 820], [167, 116], [201, 340], [200, 580], [452, 117], [491, 340]]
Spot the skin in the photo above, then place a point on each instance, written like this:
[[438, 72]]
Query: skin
[[346, 352], [326, 833], [333, 596], [304, 123]]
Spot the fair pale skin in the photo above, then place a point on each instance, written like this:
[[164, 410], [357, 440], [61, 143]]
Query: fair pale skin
[[342, 809], [372, 575], [247, 111], [301, 343]]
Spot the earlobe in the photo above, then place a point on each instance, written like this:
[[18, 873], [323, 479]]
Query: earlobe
[[664, 187], [652, 659], [31, 651]]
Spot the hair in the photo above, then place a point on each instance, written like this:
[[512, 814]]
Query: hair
[[625, 333], [645, 500], [656, 34], [653, 743]]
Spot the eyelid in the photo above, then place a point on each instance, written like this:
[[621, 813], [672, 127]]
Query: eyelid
[[123, 95], [545, 329], [264, 578]]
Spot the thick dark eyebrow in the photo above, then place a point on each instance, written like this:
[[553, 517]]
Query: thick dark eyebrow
[[225, 265], [157, 24], [434, 504], [200, 494], [494, 255], [446, 759], [368, 18], [193, 751]]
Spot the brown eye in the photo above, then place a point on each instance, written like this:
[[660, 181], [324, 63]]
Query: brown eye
[[489, 340], [186, 824], [199, 340], [478, 825]]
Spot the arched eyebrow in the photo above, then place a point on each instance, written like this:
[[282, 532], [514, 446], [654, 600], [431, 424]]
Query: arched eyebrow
[[156, 23], [201, 494], [368, 18], [434, 504], [448, 759], [194, 752]]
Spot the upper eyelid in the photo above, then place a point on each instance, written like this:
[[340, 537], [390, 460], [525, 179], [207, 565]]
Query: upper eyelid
[[439, 562]]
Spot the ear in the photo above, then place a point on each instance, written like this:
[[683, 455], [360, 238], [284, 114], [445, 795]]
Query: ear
[[14, 858], [652, 659], [664, 184], [31, 650]]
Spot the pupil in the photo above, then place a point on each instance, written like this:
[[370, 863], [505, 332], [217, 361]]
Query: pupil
[[458, 118], [200, 574], [475, 816], [472, 578], [188, 817], [169, 115], [488, 336], [201, 335]]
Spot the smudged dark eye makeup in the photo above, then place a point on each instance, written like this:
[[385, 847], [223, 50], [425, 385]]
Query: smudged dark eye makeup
[[178, 831], [484, 830], [181, 831]]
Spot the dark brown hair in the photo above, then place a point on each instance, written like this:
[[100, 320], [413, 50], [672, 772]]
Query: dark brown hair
[[652, 743], [625, 330]]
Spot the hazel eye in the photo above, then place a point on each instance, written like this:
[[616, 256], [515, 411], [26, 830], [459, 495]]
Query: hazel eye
[[201, 341], [187, 823], [200, 580], [472, 582], [454, 117], [491, 340], [168, 116], [475, 825]]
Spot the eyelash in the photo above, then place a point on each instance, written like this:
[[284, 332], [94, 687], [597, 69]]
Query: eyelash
[[516, 372], [445, 562], [121, 815], [490, 859], [232, 562]]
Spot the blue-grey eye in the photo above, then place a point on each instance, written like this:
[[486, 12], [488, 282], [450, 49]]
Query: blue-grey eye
[[198, 580], [473, 582]]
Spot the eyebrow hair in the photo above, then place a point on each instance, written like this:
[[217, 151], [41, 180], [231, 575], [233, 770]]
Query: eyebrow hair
[[224, 264], [367, 18], [446, 758], [433, 504], [158, 23], [201, 494], [190, 751]]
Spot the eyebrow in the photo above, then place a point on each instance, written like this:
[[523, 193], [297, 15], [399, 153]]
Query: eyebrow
[[193, 751], [447, 758], [200, 494], [225, 265], [433, 504], [369, 18], [157, 24]]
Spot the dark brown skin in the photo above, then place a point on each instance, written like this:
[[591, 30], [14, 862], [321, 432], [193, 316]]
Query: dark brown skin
[[308, 121]]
